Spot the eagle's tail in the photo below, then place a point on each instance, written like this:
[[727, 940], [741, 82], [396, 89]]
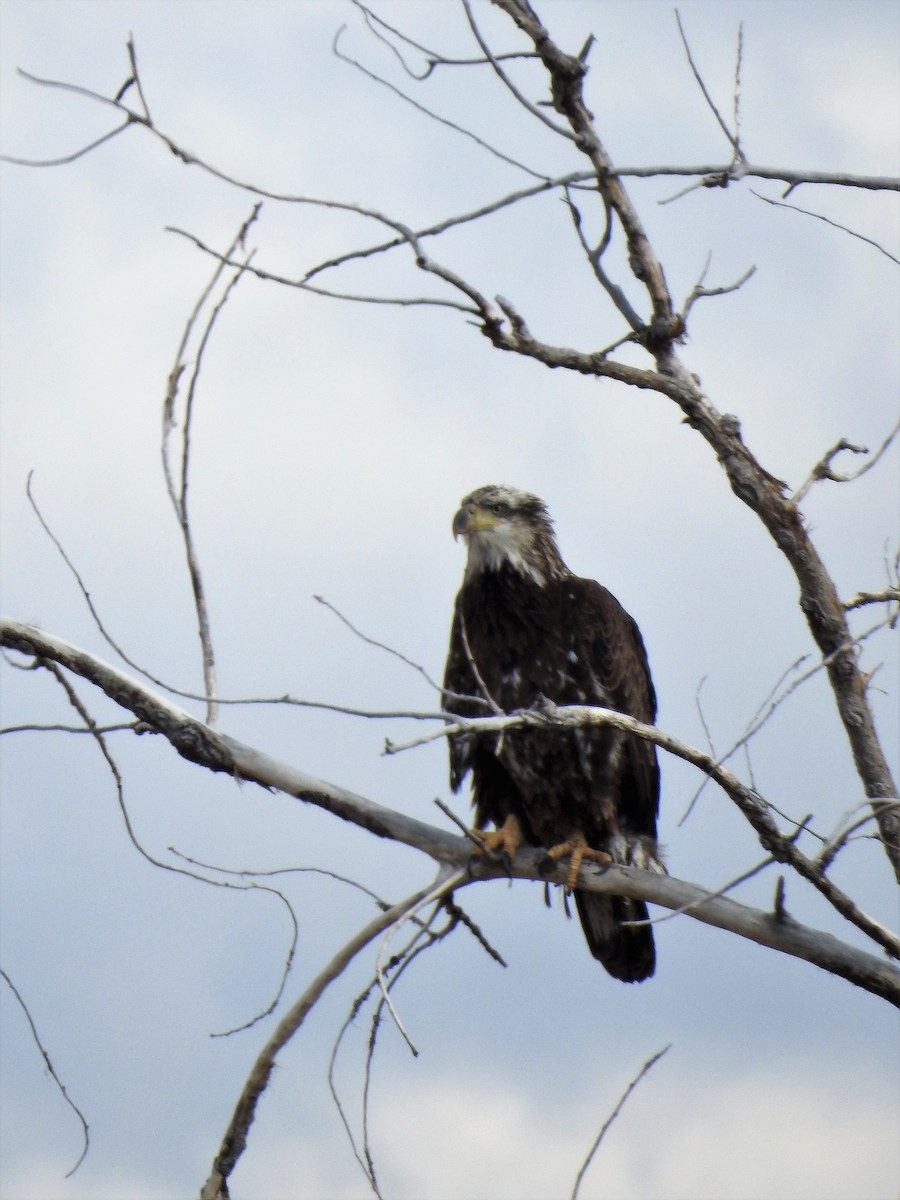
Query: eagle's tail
[[626, 951]]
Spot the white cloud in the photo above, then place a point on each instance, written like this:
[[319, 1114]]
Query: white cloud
[[765, 1135]]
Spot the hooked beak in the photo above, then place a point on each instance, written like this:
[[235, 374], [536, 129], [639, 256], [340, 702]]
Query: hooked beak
[[472, 519]]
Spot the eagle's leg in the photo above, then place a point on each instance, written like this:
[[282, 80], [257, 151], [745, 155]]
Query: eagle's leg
[[577, 849], [501, 843]]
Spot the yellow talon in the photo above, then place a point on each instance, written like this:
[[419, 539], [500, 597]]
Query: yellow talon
[[501, 842], [579, 850]]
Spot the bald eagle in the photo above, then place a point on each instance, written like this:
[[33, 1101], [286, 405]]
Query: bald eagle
[[526, 630]]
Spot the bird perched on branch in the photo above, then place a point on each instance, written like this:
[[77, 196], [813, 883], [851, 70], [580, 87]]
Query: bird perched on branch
[[527, 631]]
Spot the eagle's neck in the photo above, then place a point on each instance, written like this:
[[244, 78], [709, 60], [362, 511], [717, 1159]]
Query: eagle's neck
[[527, 549]]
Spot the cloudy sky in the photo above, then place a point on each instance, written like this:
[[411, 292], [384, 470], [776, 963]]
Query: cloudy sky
[[331, 445]]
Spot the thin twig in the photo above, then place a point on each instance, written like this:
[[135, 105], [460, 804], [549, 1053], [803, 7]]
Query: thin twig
[[505, 79], [433, 59], [136, 77], [193, 562], [104, 632], [700, 292], [777, 697], [685, 909], [738, 63], [97, 733], [131, 726], [331, 294], [370, 641], [845, 828], [443, 886], [66, 158], [53, 1075], [651, 1062], [890, 595], [468, 133], [485, 696], [828, 221], [594, 257]]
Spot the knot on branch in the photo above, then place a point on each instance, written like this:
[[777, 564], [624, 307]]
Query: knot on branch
[[662, 331], [720, 179], [200, 745]]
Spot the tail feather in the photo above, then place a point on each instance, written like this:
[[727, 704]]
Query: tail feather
[[626, 951]]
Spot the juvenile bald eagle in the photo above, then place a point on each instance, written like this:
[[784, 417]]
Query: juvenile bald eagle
[[526, 629]]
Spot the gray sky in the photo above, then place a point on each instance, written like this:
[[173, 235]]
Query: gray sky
[[332, 444]]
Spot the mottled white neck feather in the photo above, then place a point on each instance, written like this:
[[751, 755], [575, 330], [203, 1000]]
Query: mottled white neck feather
[[507, 544]]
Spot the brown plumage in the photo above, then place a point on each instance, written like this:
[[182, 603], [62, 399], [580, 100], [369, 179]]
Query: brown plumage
[[526, 628]]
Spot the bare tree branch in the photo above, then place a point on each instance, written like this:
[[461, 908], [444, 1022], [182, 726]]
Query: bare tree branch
[[751, 804], [195, 742], [302, 285], [434, 60], [890, 595], [712, 175]]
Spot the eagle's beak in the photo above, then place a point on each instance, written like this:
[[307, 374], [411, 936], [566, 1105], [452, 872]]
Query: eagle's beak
[[472, 519]]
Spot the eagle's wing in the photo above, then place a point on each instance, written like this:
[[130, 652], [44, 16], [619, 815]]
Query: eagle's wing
[[619, 666], [495, 793], [459, 684]]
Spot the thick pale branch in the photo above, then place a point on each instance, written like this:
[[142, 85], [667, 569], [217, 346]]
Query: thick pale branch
[[196, 742], [217, 752], [751, 804]]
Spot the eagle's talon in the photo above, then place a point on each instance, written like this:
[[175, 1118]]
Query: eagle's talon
[[500, 846], [577, 850]]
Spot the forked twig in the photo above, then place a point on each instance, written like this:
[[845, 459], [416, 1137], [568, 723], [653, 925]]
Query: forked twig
[[824, 470], [723, 124], [235, 1139], [178, 491]]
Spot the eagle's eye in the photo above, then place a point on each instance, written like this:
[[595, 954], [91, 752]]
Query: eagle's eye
[[497, 508]]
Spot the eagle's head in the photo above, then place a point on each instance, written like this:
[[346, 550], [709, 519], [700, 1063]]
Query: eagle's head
[[505, 527]]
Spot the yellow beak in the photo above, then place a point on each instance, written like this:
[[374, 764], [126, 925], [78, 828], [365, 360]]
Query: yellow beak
[[472, 519]]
